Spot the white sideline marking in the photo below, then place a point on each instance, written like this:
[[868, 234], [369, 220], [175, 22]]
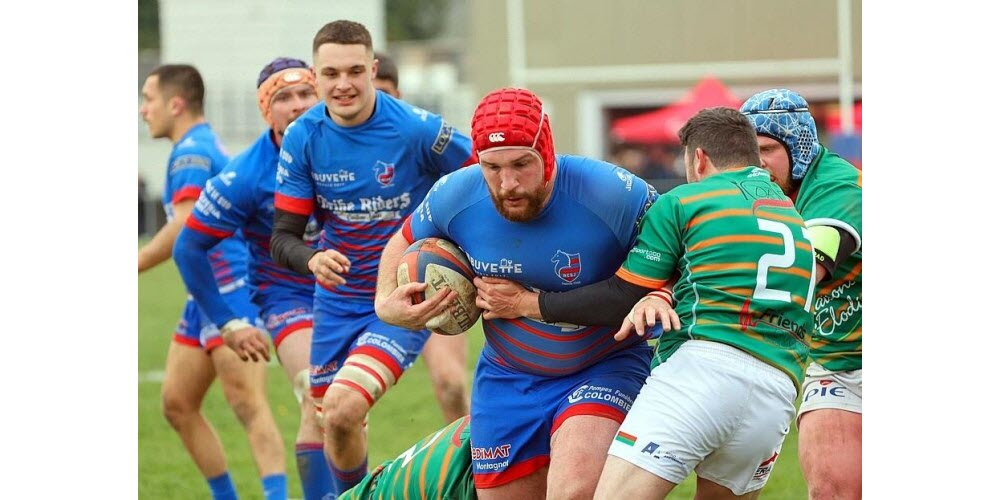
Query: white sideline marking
[[152, 376], [156, 376]]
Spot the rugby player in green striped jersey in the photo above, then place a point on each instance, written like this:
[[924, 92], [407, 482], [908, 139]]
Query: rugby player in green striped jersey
[[439, 466], [826, 190]]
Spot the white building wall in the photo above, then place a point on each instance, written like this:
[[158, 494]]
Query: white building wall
[[229, 43]]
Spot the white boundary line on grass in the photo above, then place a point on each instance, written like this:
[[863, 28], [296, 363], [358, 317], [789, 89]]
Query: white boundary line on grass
[[156, 376]]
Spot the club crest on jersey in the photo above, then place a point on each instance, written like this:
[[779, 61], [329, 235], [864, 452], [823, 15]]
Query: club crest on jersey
[[567, 267], [385, 173]]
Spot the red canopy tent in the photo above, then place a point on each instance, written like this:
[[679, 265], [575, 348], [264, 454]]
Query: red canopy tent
[[661, 126], [833, 119]]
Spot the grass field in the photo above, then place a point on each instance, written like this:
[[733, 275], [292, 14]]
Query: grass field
[[404, 415]]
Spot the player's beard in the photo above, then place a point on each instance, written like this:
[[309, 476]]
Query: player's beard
[[530, 210], [785, 184]]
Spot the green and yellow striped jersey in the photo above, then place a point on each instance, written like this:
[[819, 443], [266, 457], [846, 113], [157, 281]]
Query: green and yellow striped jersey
[[742, 264], [830, 195], [439, 466]]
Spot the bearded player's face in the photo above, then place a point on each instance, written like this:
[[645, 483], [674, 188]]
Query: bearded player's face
[[516, 180], [774, 158]]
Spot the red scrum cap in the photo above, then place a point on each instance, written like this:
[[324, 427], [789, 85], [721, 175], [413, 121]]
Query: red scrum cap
[[511, 118]]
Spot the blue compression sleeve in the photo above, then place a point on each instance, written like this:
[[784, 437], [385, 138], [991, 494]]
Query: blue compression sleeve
[[191, 256]]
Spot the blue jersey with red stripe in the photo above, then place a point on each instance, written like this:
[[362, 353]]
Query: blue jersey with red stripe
[[581, 236], [196, 157], [363, 181], [241, 197]]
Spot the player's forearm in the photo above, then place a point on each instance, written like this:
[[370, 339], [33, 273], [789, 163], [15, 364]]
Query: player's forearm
[[160, 247], [604, 303], [529, 305], [389, 261], [820, 272], [191, 255], [287, 247]]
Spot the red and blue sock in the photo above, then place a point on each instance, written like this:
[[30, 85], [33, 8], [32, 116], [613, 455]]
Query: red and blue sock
[[344, 480], [314, 471]]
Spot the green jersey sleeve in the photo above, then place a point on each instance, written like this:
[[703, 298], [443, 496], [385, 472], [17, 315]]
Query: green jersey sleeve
[[653, 260]]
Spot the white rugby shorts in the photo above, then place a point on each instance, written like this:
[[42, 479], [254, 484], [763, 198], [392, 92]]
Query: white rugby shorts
[[711, 408], [824, 389]]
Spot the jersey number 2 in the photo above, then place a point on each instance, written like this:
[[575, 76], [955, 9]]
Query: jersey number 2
[[781, 261]]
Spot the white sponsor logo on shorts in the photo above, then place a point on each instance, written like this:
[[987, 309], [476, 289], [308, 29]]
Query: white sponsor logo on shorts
[[491, 453], [578, 394], [606, 394], [653, 449]]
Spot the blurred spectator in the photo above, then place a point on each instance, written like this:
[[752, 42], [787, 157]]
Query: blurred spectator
[[630, 159], [387, 79], [848, 146], [660, 164]]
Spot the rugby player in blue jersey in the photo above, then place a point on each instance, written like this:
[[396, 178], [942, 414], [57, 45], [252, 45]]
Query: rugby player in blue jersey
[[241, 198], [445, 355], [547, 399], [360, 160], [172, 103]]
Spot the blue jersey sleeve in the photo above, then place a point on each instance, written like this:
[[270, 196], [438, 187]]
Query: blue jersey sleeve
[[294, 189], [191, 256], [222, 208], [187, 174], [226, 204], [444, 149]]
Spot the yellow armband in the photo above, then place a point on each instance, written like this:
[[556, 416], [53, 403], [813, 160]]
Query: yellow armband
[[831, 244]]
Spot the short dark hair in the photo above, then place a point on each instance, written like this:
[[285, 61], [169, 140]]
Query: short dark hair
[[725, 135], [182, 80], [387, 69], [343, 32]]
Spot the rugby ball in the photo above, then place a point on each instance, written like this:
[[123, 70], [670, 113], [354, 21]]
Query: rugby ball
[[441, 264]]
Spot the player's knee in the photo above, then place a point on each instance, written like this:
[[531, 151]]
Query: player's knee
[[581, 481], [834, 486], [245, 405], [236, 390], [245, 412], [341, 414], [177, 410], [837, 478], [451, 392], [571, 490], [246, 401]]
